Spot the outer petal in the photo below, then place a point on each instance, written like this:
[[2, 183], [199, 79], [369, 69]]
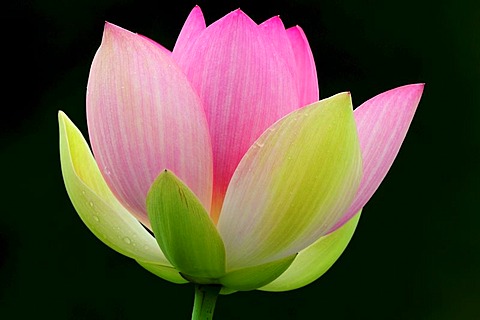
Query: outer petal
[[293, 184], [99, 209], [244, 86], [382, 123], [306, 71], [251, 278], [184, 231], [171, 274], [193, 26], [312, 262], [143, 116]]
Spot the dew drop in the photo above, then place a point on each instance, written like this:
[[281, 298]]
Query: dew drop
[[145, 247], [91, 204], [127, 240], [84, 192], [96, 218], [259, 144]]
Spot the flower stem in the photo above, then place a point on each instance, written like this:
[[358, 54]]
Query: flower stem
[[204, 303]]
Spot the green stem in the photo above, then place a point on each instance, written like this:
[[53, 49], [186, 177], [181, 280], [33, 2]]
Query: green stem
[[204, 303]]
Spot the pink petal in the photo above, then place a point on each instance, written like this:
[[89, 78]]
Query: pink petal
[[143, 117], [382, 124], [192, 27], [244, 86], [274, 29], [306, 71]]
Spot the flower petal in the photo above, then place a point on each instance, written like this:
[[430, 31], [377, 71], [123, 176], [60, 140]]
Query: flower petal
[[312, 262], [143, 116], [306, 71], [251, 278], [97, 206], [163, 272], [293, 184], [382, 123], [192, 27], [275, 31], [184, 230], [244, 86]]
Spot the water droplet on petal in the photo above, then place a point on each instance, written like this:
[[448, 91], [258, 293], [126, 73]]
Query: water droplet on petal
[[91, 204], [127, 240], [96, 218]]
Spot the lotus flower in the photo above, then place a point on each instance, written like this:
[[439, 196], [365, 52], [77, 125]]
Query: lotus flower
[[222, 149]]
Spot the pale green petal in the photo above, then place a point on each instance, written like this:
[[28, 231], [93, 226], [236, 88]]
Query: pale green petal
[[226, 291], [251, 278], [164, 272], [184, 231], [96, 205], [311, 263], [293, 184]]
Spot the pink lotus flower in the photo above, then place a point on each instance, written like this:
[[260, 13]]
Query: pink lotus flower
[[222, 148]]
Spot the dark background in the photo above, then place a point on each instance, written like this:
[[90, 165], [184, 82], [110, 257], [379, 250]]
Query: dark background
[[416, 252]]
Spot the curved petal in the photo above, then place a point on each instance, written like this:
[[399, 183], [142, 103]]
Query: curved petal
[[305, 63], [312, 262], [164, 272], [382, 123], [251, 278], [184, 231], [293, 184], [143, 117], [192, 27], [244, 86], [97, 206]]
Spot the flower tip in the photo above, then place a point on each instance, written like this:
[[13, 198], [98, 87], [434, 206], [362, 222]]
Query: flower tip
[[273, 21], [196, 11], [61, 116], [421, 85], [416, 89], [238, 13], [111, 30], [109, 26]]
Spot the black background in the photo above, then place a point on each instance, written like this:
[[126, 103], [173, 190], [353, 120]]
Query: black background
[[416, 252]]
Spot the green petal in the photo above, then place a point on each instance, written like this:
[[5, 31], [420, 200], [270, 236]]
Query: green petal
[[293, 184], [312, 262], [251, 278], [97, 206], [184, 230], [164, 272], [226, 291]]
